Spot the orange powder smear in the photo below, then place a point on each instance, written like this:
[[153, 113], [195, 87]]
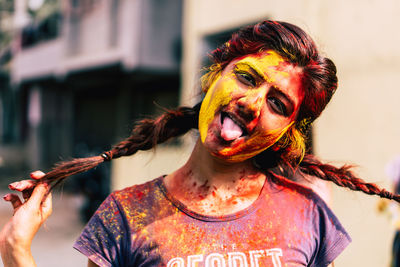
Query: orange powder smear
[[238, 153]]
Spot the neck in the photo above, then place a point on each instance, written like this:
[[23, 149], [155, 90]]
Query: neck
[[211, 186]]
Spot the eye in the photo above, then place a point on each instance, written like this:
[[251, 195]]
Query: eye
[[278, 106], [246, 78]]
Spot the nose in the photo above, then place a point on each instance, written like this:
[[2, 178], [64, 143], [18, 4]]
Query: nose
[[249, 106]]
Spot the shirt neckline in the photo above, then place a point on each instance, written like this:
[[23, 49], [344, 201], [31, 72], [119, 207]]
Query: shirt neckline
[[210, 218]]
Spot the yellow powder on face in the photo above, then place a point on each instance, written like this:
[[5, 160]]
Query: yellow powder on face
[[262, 65], [220, 93], [213, 100]]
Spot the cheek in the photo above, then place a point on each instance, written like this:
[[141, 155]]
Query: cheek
[[218, 95], [270, 121]]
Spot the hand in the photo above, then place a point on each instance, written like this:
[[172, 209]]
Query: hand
[[17, 235]]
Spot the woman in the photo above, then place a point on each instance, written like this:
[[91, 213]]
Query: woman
[[231, 204]]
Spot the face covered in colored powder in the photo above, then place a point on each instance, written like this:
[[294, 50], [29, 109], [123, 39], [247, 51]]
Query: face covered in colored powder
[[250, 105]]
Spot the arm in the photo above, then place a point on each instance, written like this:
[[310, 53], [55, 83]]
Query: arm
[[17, 235]]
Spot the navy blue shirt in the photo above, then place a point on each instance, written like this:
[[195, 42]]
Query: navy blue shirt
[[143, 225]]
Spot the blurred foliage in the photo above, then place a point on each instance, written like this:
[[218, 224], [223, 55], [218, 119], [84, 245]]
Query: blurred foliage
[[48, 8], [5, 39], [7, 5], [6, 11]]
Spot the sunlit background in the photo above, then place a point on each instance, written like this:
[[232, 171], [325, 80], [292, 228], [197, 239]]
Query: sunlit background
[[76, 74]]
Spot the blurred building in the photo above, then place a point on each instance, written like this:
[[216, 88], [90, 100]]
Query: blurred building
[[82, 71], [78, 74]]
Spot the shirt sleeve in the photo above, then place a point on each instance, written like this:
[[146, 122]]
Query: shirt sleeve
[[333, 238], [102, 238]]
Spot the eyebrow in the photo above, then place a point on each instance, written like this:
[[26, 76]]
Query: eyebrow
[[253, 68]]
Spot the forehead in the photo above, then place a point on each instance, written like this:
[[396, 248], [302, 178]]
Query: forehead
[[269, 65]]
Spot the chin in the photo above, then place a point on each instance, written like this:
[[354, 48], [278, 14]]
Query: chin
[[228, 159], [225, 155]]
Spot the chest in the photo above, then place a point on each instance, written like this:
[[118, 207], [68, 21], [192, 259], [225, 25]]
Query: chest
[[262, 238]]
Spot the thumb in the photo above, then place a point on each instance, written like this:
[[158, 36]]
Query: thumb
[[38, 195], [47, 206]]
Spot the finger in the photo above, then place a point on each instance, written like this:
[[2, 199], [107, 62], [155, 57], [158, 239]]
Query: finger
[[37, 175], [23, 185], [38, 195], [14, 199]]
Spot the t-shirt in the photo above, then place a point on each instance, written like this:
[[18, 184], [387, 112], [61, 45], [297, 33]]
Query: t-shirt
[[143, 225]]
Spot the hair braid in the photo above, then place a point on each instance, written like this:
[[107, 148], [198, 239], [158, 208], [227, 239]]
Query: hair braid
[[342, 177], [145, 135], [150, 132]]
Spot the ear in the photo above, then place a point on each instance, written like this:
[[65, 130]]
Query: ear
[[205, 83]]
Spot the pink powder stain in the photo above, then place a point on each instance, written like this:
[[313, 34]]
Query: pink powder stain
[[139, 195]]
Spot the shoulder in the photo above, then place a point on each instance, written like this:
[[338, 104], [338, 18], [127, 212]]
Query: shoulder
[[141, 204], [298, 198], [295, 191], [140, 196], [329, 234], [319, 186], [108, 236], [137, 192]]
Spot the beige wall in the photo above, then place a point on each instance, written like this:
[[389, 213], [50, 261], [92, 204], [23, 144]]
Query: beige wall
[[361, 125], [145, 166]]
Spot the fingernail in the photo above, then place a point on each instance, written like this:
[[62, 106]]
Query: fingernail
[[36, 173], [13, 185], [6, 197]]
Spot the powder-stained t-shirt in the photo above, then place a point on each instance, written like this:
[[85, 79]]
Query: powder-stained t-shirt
[[143, 225]]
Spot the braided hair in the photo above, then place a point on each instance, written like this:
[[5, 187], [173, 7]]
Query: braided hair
[[289, 153]]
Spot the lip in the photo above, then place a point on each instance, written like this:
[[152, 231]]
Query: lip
[[237, 120]]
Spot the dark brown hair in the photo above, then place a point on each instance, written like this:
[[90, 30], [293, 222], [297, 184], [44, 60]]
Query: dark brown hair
[[319, 83]]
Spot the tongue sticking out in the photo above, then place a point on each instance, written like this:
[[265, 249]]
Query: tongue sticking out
[[230, 130]]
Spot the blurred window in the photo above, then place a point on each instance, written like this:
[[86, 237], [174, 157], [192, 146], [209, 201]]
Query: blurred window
[[46, 29]]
